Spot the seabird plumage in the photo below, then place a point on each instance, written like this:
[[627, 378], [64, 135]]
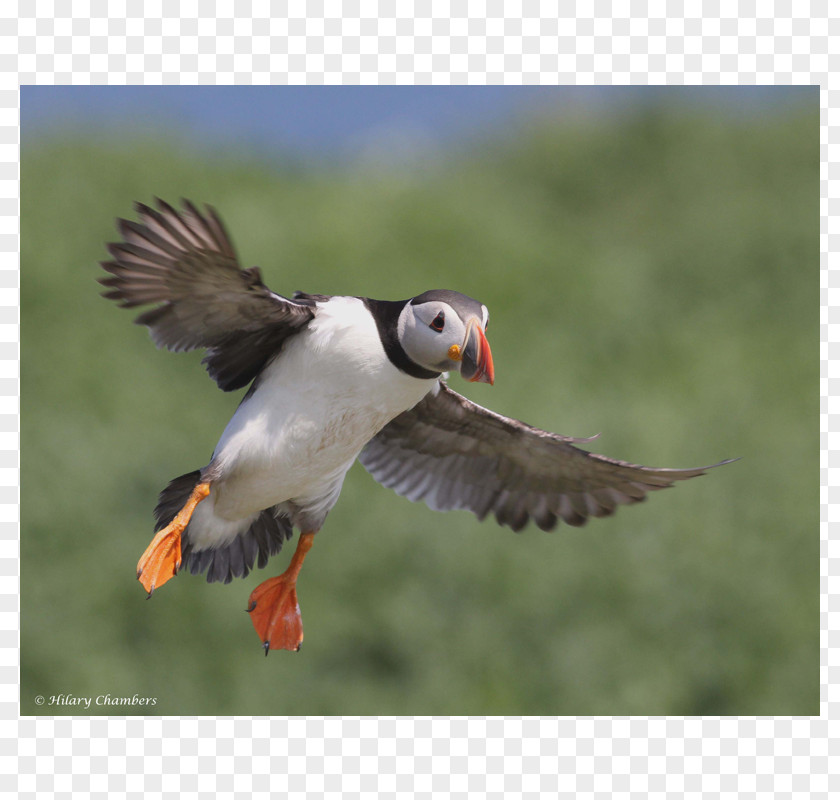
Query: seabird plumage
[[333, 379]]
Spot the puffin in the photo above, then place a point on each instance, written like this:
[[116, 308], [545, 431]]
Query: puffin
[[333, 379]]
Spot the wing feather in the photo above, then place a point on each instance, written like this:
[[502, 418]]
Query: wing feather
[[184, 262], [454, 454]]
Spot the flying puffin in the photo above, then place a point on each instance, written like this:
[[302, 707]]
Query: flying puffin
[[333, 379]]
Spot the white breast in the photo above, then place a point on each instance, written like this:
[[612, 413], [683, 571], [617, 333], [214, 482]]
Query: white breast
[[328, 393]]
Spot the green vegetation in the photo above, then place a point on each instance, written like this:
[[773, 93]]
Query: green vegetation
[[651, 277]]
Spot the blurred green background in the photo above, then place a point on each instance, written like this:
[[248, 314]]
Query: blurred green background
[[651, 275]]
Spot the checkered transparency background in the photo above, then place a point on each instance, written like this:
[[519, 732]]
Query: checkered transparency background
[[64, 42]]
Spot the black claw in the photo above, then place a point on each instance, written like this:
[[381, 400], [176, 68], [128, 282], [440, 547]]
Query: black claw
[[297, 649], [266, 647], [251, 607], [149, 595]]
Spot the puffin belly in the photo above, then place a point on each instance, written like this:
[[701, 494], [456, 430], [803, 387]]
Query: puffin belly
[[302, 461]]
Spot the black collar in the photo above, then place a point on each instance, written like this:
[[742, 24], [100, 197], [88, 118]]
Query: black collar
[[386, 313]]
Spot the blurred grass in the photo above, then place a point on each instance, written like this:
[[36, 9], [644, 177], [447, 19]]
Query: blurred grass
[[651, 277]]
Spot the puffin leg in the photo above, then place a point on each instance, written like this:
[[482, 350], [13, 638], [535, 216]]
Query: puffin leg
[[162, 558], [273, 605]]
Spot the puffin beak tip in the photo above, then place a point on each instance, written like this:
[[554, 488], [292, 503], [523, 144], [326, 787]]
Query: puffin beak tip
[[477, 359]]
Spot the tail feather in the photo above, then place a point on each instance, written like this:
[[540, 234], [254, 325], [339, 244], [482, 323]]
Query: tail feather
[[262, 540]]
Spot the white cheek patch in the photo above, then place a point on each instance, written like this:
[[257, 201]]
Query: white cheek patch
[[416, 338], [423, 344], [406, 319]]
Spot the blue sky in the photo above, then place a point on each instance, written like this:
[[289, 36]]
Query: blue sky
[[334, 121]]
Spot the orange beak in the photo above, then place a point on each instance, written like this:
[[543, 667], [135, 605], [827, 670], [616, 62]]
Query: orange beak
[[476, 358]]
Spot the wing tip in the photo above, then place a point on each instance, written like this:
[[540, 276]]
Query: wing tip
[[581, 439], [720, 464], [726, 461], [683, 473]]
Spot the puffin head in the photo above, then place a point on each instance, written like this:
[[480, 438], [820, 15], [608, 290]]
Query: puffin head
[[442, 330]]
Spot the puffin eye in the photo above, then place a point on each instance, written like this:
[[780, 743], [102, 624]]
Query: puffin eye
[[437, 322]]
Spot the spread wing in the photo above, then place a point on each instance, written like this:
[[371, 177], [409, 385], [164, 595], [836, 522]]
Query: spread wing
[[452, 454], [184, 263]]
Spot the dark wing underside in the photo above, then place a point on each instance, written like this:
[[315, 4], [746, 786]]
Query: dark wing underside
[[454, 454], [184, 263]]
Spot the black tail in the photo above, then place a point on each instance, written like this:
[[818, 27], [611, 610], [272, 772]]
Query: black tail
[[262, 540]]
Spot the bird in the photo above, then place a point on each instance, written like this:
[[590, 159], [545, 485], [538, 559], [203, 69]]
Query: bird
[[332, 379]]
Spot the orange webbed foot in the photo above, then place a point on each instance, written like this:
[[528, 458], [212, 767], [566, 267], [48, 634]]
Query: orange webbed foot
[[275, 612], [273, 605], [162, 558]]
